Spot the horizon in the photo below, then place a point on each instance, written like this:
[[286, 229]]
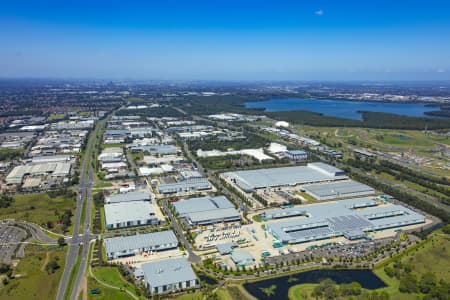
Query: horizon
[[226, 41]]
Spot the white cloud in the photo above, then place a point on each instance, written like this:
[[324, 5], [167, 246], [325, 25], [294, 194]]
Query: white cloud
[[441, 70], [319, 12]]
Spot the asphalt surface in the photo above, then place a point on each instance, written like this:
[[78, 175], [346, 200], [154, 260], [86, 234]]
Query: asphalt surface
[[192, 257], [86, 238], [10, 238], [74, 245]]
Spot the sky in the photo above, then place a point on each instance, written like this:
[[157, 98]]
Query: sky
[[226, 39]]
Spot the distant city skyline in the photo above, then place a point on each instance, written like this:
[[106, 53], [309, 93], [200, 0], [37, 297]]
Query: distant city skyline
[[226, 40]]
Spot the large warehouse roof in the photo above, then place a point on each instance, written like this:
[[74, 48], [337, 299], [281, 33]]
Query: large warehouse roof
[[138, 241], [207, 209], [207, 203], [192, 184], [168, 271], [338, 189], [336, 218], [55, 169], [127, 211], [214, 216], [262, 178], [127, 197]]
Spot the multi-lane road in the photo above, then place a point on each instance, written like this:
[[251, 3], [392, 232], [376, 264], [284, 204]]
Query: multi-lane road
[[77, 241]]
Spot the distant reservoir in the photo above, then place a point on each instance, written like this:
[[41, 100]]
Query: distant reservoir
[[341, 108]]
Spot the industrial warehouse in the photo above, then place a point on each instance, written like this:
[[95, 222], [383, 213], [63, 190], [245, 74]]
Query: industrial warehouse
[[129, 214], [251, 180], [123, 246], [340, 189], [32, 175], [349, 218], [184, 186], [169, 275], [128, 197], [207, 210]]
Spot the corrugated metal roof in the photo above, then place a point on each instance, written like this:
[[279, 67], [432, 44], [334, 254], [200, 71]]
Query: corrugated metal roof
[[127, 211], [168, 271], [180, 186], [335, 218], [127, 197], [261, 178], [242, 257], [138, 241], [338, 189], [198, 204]]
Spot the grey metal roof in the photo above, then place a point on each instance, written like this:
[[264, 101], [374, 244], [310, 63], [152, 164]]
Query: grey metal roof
[[138, 241], [202, 209], [128, 211], [253, 179], [127, 197], [181, 186], [168, 271], [226, 248], [338, 189], [325, 167], [197, 204], [242, 257], [157, 149], [216, 215], [337, 217]]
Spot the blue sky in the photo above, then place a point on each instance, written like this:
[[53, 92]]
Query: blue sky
[[215, 39]]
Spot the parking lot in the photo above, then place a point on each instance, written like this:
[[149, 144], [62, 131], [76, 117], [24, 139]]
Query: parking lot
[[10, 237]]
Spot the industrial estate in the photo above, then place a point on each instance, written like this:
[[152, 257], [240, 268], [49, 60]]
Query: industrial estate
[[131, 193]]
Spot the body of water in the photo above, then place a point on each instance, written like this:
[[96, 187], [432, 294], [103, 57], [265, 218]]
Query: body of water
[[366, 278], [341, 108]]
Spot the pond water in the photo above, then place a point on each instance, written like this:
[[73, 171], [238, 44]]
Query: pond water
[[341, 108], [366, 278]]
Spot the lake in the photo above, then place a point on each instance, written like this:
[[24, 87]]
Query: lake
[[341, 108], [366, 278]]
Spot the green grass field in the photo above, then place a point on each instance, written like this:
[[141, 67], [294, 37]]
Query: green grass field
[[105, 293], [112, 276], [34, 281], [39, 209]]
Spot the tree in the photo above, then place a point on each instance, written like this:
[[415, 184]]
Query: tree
[[6, 201], [427, 283], [52, 266], [408, 284], [61, 242]]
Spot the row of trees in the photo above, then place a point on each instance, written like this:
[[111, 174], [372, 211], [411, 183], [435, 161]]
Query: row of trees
[[398, 194], [439, 184]]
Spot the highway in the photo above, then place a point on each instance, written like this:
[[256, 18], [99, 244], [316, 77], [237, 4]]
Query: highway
[[84, 194], [86, 238]]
